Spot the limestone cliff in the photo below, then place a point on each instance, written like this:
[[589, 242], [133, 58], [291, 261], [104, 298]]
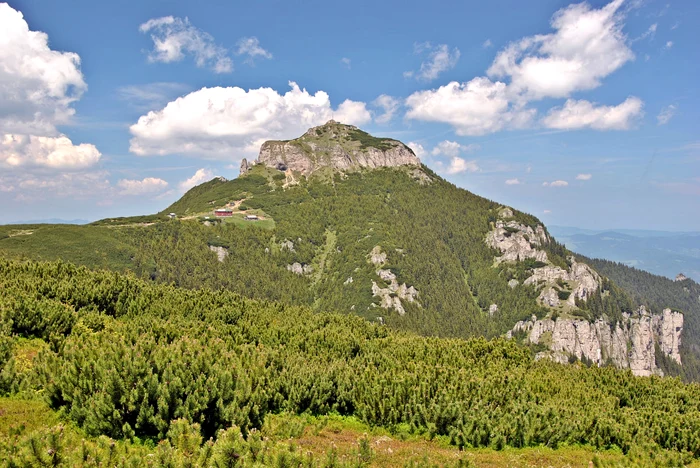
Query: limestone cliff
[[336, 146], [628, 344]]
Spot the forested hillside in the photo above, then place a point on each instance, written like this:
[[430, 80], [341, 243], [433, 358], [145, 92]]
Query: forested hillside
[[136, 361], [399, 246]]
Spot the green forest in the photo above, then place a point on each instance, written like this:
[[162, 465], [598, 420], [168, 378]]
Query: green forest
[[193, 377], [194, 342]]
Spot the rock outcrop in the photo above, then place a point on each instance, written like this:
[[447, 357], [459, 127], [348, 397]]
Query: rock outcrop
[[583, 280], [680, 277], [245, 167], [391, 295], [629, 344], [221, 252], [516, 241], [299, 269], [336, 146]]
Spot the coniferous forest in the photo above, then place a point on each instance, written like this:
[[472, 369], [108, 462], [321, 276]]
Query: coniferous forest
[[202, 370], [156, 351]]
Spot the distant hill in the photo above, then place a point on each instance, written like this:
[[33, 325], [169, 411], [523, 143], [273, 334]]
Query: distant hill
[[659, 252], [51, 221]]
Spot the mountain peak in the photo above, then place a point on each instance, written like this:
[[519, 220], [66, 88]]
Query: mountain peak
[[336, 146]]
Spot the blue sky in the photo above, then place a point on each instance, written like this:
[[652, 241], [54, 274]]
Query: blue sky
[[584, 114]]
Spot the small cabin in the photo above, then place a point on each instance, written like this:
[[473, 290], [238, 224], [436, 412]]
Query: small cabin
[[223, 212], [251, 218]]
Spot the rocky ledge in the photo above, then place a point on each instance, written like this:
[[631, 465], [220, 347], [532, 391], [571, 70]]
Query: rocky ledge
[[336, 146], [631, 343]]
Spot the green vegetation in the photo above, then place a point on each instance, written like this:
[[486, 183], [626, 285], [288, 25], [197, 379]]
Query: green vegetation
[[154, 364], [368, 141], [438, 248]]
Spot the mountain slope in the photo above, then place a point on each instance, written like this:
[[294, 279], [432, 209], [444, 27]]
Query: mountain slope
[[397, 245]]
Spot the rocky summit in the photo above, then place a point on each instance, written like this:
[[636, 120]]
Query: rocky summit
[[336, 146]]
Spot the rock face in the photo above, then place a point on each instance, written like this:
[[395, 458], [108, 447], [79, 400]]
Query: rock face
[[580, 276], [516, 241], [245, 167], [680, 277], [392, 295], [221, 252], [336, 146], [630, 344]]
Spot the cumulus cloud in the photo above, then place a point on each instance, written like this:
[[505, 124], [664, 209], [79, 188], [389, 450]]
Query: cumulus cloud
[[584, 177], [556, 183], [389, 105], [584, 114], [50, 152], [145, 186], [228, 122], [487, 43], [452, 148], [251, 47], [37, 85], [174, 38], [669, 44], [37, 89], [666, 114], [202, 175], [477, 107], [513, 182], [440, 59], [587, 45], [346, 62], [458, 165]]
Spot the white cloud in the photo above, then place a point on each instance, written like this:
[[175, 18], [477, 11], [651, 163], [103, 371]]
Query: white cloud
[[142, 187], [48, 152], [584, 177], [232, 122], [547, 211], [28, 187], [452, 148], [418, 149], [487, 43], [669, 44], [513, 182], [352, 113], [346, 62], [389, 105], [666, 114], [202, 175], [584, 114], [440, 59], [37, 85], [474, 108], [587, 46], [458, 165], [651, 32], [556, 183], [251, 47], [173, 38]]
